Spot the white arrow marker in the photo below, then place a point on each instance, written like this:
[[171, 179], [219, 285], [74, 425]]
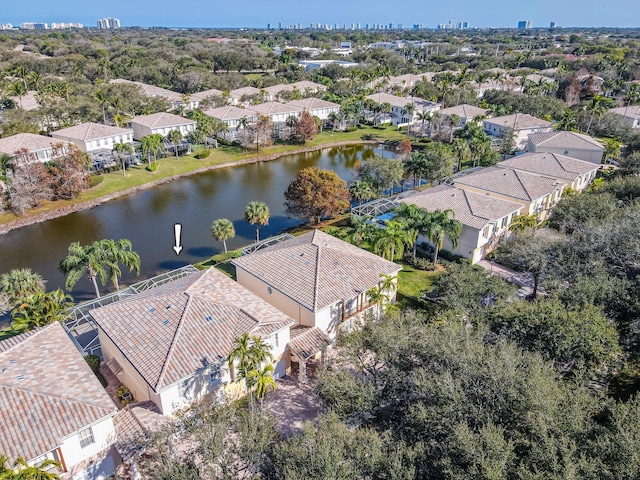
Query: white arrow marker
[[177, 230]]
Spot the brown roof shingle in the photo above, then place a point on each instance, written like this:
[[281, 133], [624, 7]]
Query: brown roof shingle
[[550, 164]]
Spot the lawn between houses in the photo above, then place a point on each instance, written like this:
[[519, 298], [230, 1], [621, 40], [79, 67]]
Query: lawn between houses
[[113, 183]]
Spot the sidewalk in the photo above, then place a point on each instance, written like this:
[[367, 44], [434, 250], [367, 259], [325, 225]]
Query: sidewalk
[[522, 280]]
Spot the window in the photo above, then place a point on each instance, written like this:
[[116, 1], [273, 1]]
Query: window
[[215, 373], [269, 291], [276, 340], [86, 437]]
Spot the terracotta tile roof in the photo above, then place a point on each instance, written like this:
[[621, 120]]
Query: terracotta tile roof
[[511, 183], [168, 332], [632, 112], [472, 209], [239, 92], [274, 108], [47, 392], [152, 90], [550, 164], [307, 85], [134, 425], [312, 103], [396, 101], [519, 121], [90, 131], [229, 112], [276, 89], [563, 139], [316, 270], [309, 342], [162, 120], [464, 111], [28, 141], [200, 96]]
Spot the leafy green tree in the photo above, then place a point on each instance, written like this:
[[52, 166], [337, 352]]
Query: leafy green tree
[[40, 309], [315, 194], [360, 191], [257, 213], [174, 137], [222, 230], [383, 174]]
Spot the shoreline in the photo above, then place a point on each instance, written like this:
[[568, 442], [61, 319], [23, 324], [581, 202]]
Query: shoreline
[[66, 210]]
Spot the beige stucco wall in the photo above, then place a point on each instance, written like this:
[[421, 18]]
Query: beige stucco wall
[[593, 156]]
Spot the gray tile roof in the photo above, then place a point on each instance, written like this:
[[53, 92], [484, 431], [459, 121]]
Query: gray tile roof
[[562, 139], [47, 392], [511, 183], [239, 92], [29, 141], [162, 120], [200, 96], [632, 112], [152, 90], [167, 332], [550, 164], [274, 108], [312, 103], [316, 269], [401, 102], [472, 209], [519, 121], [464, 111], [90, 131], [229, 112], [303, 85], [134, 426]]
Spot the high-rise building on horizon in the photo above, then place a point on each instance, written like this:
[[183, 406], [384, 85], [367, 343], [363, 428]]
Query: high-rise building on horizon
[[523, 24], [34, 26], [108, 23], [552, 25]]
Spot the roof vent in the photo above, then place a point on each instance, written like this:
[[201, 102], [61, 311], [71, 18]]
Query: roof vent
[[169, 306], [20, 377], [166, 322], [152, 309], [208, 318], [302, 254], [12, 362], [4, 369]]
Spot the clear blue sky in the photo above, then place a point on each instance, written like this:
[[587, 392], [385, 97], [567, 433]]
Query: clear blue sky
[[254, 13]]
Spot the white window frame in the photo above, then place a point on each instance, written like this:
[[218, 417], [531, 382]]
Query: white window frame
[[86, 439]]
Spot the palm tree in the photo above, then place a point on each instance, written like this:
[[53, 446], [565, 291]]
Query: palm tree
[[120, 120], [416, 218], [360, 191], [262, 379], [257, 213], [418, 166], [597, 107], [568, 121], [42, 471], [611, 149], [247, 355], [392, 239], [442, 225], [120, 149], [103, 100], [244, 123], [334, 117], [222, 229], [423, 116], [81, 260], [40, 309], [521, 222], [118, 252], [632, 94], [454, 122], [17, 89], [21, 282], [174, 137], [361, 229]]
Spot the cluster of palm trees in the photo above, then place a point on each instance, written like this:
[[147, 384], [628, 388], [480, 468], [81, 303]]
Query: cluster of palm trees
[[101, 260], [21, 470], [250, 359], [403, 230], [256, 213]]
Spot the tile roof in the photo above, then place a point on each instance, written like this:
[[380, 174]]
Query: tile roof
[[309, 342], [396, 101], [162, 120], [229, 112], [238, 92], [307, 85], [200, 96], [28, 141], [550, 165], [632, 112], [519, 121], [134, 425], [167, 332], [47, 392], [472, 209], [312, 103], [90, 131], [274, 108], [316, 269], [464, 111], [152, 90], [511, 183], [276, 89], [563, 139]]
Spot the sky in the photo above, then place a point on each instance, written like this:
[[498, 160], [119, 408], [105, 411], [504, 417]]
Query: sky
[[258, 13]]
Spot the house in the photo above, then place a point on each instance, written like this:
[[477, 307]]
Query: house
[[316, 279], [277, 112], [536, 193], [521, 124], [175, 99], [398, 114], [92, 137], [170, 343], [53, 407], [161, 123], [408, 80], [465, 112], [316, 106], [307, 87], [231, 115], [303, 88], [485, 219], [630, 114], [199, 97], [310, 65], [238, 93], [570, 144], [31, 147], [577, 173]]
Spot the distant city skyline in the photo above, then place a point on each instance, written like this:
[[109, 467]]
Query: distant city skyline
[[254, 14]]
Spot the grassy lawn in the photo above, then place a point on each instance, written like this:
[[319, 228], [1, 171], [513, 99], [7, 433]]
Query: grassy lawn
[[167, 167], [411, 283]]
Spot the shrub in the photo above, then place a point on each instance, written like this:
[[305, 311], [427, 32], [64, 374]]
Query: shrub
[[152, 168], [96, 180], [420, 263], [351, 129], [203, 154], [93, 361]]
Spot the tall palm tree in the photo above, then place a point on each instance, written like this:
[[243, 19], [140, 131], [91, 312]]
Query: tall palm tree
[[103, 100], [334, 117], [442, 225], [392, 239], [120, 149], [40, 309], [247, 354], [360, 191], [361, 229], [118, 252], [17, 89], [222, 229], [423, 116], [257, 213], [81, 260], [21, 282], [416, 218], [521, 222], [244, 123], [597, 107], [174, 137]]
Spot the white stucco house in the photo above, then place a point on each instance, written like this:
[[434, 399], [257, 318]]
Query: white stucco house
[[630, 114], [319, 281], [316, 107], [485, 219], [198, 97], [277, 112], [92, 137], [231, 115], [577, 173], [237, 94], [399, 115], [570, 144], [161, 123], [175, 99], [465, 112], [31, 147], [170, 343], [522, 124], [53, 407], [536, 193]]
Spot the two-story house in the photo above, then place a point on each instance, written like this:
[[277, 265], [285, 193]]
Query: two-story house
[[570, 144], [31, 147], [520, 124], [93, 137], [161, 123], [316, 107]]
